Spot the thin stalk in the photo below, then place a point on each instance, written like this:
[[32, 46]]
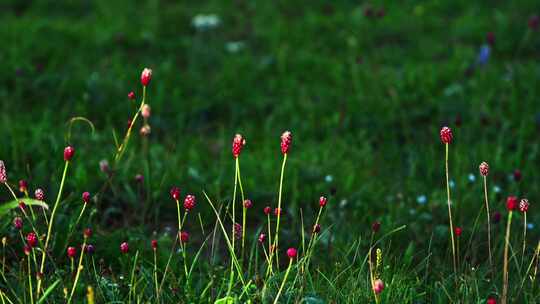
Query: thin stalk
[[244, 211], [125, 141], [505, 261], [70, 234], [233, 205], [276, 237], [155, 277], [49, 229], [269, 267], [79, 269], [524, 236], [284, 280], [450, 213], [488, 224], [131, 285], [30, 281]]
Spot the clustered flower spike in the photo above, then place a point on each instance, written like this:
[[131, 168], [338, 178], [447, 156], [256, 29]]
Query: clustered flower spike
[[71, 252], [23, 186], [184, 236], [458, 231], [378, 286], [286, 140], [154, 244], [124, 247], [484, 169], [146, 76], [175, 193], [511, 203], [524, 205], [248, 203], [238, 143], [18, 223], [237, 231], [262, 238], [86, 197], [31, 239], [189, 202], [491, 301], [267, 210], [69, 152], [3, 173], [39, 194], [291, 253], [446, 135], [322, 201]]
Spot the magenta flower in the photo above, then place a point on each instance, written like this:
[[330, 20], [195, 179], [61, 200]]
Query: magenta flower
[[86, 197], [378, 286], [524, 205], [39, 194], [238, 144], [484, 169], [124, 247], [286, 140], [3, 172], [69, 152], [31, 239], [248, 204], [322, 201], [175, 193], [511, 203], [446, 135], [154, 244], [18, 223], [131, 95], [262, 238], [291, 253], [146, 76], [71, 252], [189, 202], [267, 210]]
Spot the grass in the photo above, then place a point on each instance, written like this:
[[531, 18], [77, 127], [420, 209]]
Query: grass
[[365, 99]]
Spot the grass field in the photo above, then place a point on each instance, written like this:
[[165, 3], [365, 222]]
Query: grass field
[[364, 87]]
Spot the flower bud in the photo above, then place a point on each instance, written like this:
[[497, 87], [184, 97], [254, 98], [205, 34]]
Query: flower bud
[[248, 204], [446, 135], [189, 202], [18, 223], [262, 238], [39, 194], [175, 193], [511, 203], [184, 236], [71, 252], [146, 111], [86, 197], [154, 244], [484, 169], [458, 231], [322, 201], [131, 95], [378, 286], [69, 151], [238, 143], [124, 247], [146, 76], [88, 233], [291, 253], [31, 239], [524, 205], [286, 140], [23, 186], [267, 210]]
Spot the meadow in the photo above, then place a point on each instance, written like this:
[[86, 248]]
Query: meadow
[[269, 152]]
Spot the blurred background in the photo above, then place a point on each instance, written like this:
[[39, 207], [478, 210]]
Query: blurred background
[[364, 86]]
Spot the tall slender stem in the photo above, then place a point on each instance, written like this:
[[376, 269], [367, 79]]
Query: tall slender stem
[[284, 280], [505, 261], [79, 269], [30, 281], [524, 236], [450, 213], [155, 277], [276, 237], [488, 224]]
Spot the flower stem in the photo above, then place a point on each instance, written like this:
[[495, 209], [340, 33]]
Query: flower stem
[[450, 213], [488, 224], [505, 261], [524, 236], [155, 276], [284, 280], [276, 237], [79, 269], [30, 281]]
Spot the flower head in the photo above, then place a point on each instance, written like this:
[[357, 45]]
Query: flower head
[[71, 252], [175, 193], [524, 205], [18, 223], [484, 169], [511, 203], [262, 238], [267, 210], [88, 233], [124, 247], [86, 197], [189, 202], [90, 249], [238, 143], [378, 286], [375, 226], [146, 111], [154, 244], [69, 152], [146, 76], [286, 140], [23, 186], [446, 135], [3, 173], [31, 239], [248, 203], [184, 236], [517, 175], [131, 95], [139, 178], [491, 301], [27, 249], [322, 201], [237, 231], [316, 228], [291, 253], [458, 231], [277, 211], [39, 194]]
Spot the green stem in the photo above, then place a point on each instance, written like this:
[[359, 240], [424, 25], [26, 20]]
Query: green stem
[[276, 237], [79, 268], [450, 213], [488, 224], [155, 276], [131, 287], [505, 261], [30, 281], [284, 280], [524, 236]]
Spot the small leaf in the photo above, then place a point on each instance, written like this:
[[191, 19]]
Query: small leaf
[[5, 207], [48, 292]]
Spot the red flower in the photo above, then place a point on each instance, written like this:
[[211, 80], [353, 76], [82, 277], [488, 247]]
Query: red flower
[[446, 135], [248, 204], [378, 286], [175, 193], [69, 151], [71, 252], [484, 169], [237, 231], [39, 194], [86, 197], [27, 249], [511, 203], [18, 223], [291, 253], [491, 301], [458, 231], [517, 175], [124, 247], [189, 202], [238, 143], [3, 172], [267, 210], [88, 233], [322, 201], [262, 238], [286, 140], [184, 236], [524, 205], [375, 226], [131, 95], [23, 186], [146, 76], [31, 239], [154, 244]]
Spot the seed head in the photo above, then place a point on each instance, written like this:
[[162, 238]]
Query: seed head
[[267, 210], [31, 239], [291, 253], [322, 201], [248, 204], [484, 169], [131, 95], [88, 233], [3, 173], [71, 252], [23, 186], [286, 140], [189, 202], [316, 228], [39, 194], [124, 247], [146, 76], [154, 244], [375, 226], [446, 135], [86, 197], [184, 236], [524, 205], [146, 111], [458, 231], [175, 193], [69, 151], [18, 223], [262, 238], [511, 203], [238, 143], [378, 286]]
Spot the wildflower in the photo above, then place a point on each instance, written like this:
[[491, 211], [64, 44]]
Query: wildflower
[[491, 301], [248, 204], [88, 233], [446, 135], [378, 286], [129, 123], [483, 55], [86, 197], [238, 143], [533, 22], [145, 130], [291, 253], [189, 202], [22, 206], [511, 203], [375, 227], [517, 175], [139, 178], [104, 166], [124, 247], [322, 201], [524, 205], [89, 249], [237, 231], [458, 231], [39, 194], [69, 151], [131, 95], [277, 211], [267, 210], [146, 76], [27, 250], [490, 38], [3, 173], [175, 193], [23, 186], [146, 111], [484, 169], [262, 238], [316, 228], [286, 140], [18, 223], [154, 244], [31, 239], [184, 236], [71, 252]]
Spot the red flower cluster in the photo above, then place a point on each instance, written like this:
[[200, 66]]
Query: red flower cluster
[[291, 253], [69, 152], [146, 76], [86, 197], [267, 210], [71, 252], [23, 186], [484, 169], [446, 135], [124, 247], [154, 244], [286, 140], [458, 231], [524, 205], [31, 239], [184, 236], [511, 203], [322, 201], [238, 143], [189, 202], [175, 193], [3, 172], [39, 194], [248, 203]]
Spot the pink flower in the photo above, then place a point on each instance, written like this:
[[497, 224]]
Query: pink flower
[[71, 252], [446, 135], [286, 140], [189, 202], [378, 286], [291, 253], [238, 143], [69, 152], [511, 203], [86, 197], [248, 204], [131, 95], [18, 223], [267, 210], [154, 244], [484, 169], [184, 236], [237, 231], [124, 247], [524, 205], [175, 193], [146, 111], [88, 233], [322, 201], [491, 301], [31, 239], [3, 173], [458, 231], [27, 249], [145, 130], [146, 76], [262, 238], [23, 186], [39, 194]]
